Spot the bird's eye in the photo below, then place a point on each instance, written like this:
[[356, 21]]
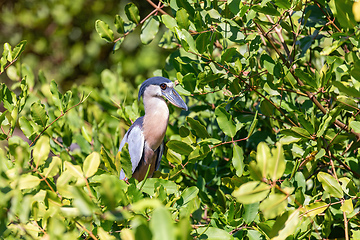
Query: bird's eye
[[163, 86]]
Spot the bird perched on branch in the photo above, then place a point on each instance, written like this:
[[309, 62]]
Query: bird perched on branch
[[145, 137]]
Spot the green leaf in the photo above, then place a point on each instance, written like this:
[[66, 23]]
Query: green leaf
[[262, 157], [25, 126], [173, 156], [316, 208], [251, 192], [212, 233], [91, 164], [202, 41], [251, 211], [161, 224], [104, 31], [149, 30], [86, 134], [18, 49], [119, 24], [132, 13], [225, 122], [300, 132], [75, 170], [305, 77], [186, 40], [200, 129], [276, 164], [355, 71], [324, 125], [189, 82], [274, 205], [182, 18], [355, 125], [53, 168], [347, 90], [238, 160], [169, 22], [267, 10], [151, 184], [285, 4], [348, 186], [253, 125], [347, 206], [285, 225], [38, 113], [188, 194], [199, 153], [41, 150], [330, 185], [109, 162], [28, 181], [343, 13], [179, 147]]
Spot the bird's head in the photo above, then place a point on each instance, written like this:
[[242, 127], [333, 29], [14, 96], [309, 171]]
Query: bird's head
[[160, 86]]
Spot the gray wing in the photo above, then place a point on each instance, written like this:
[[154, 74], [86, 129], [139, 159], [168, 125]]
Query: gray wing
[[135, 139], [160, 153]]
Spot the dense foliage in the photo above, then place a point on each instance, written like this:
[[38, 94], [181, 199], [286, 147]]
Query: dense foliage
[[267, 150]]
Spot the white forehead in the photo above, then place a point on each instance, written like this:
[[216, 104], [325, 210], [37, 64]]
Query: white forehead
[[170, 84]]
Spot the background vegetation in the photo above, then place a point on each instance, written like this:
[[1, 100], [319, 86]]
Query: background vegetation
[[267, 150]]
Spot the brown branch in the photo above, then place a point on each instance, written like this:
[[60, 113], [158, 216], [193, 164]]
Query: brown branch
[[9, 65], [86, 230], [157, 9]]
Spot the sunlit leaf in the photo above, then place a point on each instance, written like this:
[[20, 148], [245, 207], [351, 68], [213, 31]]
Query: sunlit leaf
[[41, 150], [238, 160], [119, 24], [200, 129], [330, 185], [316, 208], [225, 122], [104, 31], [28, 181], [132, 12], [251, 192], [38, 113], [149, 30], [91, 164], [179, 147], [274, 205], [18, 49]]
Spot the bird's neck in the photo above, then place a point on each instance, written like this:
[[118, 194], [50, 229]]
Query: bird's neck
[[155, 120]]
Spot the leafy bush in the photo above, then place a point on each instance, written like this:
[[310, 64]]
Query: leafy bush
[[268, 148]]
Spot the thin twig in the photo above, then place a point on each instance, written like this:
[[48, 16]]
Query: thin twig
[[86, 230]]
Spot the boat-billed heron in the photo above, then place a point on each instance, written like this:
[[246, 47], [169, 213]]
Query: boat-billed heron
[[145, 136]]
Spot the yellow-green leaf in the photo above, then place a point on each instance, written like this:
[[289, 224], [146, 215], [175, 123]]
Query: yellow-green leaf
[[104, 31], [41, 150], [330, 185], [91, 164], [251, 192], [274, 205], [238, 160]]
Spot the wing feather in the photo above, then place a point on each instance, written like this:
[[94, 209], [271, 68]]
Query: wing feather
[[135, 139], [160, 153]]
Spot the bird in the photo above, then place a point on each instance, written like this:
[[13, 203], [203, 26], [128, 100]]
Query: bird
[[145, 136]]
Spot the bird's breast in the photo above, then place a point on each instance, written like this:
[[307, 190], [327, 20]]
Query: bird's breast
[[155, 121], [154, 130]]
